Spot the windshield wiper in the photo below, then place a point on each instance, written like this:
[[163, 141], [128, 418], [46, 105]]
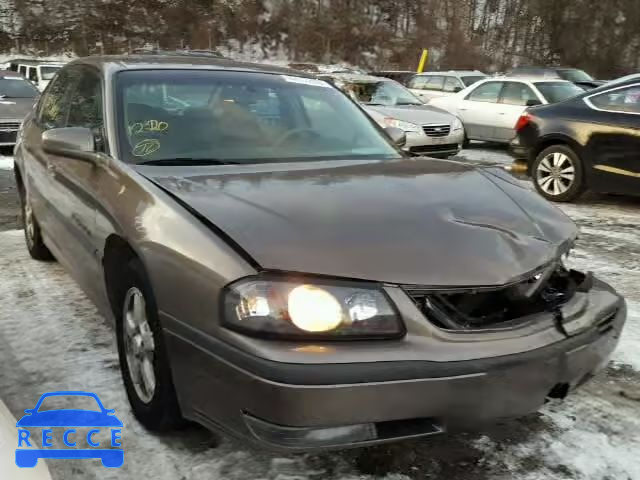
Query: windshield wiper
[[185, 161], [408, 103]]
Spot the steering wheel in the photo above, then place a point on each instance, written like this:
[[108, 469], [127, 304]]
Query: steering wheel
[[296, 131]]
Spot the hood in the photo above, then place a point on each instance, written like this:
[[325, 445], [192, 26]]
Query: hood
[[409, 221], [419, 114], [15, 108]]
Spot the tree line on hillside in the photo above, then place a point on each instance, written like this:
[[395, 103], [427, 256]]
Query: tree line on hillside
[[600, 36]]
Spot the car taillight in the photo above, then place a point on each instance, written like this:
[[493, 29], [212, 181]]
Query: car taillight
[[523, 121]]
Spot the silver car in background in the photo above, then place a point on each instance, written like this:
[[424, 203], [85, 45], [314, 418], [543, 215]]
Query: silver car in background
[[17, 97], [428, 85], [429, 130]]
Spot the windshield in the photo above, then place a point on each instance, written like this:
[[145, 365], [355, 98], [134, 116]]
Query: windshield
[[47, 73], [385, 93], [240, 117], [470, 80], [16, 87], [558, 91], [575, 75]]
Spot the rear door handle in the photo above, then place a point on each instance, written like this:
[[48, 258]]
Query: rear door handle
[[51, 168]]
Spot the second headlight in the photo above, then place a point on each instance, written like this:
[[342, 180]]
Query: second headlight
[[284, 308]]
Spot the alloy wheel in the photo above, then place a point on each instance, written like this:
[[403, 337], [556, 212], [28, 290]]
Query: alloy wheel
[[555, 173], [29, 224], [139, 345]]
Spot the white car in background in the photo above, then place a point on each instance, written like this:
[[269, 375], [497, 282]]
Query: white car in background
[[491, 108], [38, 72], [430, 85]]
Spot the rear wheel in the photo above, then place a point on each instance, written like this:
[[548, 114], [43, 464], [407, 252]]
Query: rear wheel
[[143, 359], [558, 174], [32, 232]]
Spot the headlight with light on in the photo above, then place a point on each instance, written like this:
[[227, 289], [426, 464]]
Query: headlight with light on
[[284, 308], [406, 126], [457, 124]]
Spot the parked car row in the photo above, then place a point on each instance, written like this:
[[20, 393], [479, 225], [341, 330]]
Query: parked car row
[[38, 72]]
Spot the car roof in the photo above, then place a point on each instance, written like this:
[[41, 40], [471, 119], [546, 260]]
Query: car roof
[[187, 62], [523, 79], [394, 71], [355, 77], [11, 73], [454, 73]]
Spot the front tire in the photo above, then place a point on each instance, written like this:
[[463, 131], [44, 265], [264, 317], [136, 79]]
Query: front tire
[[32, 232], [558, 174], [143, 359]]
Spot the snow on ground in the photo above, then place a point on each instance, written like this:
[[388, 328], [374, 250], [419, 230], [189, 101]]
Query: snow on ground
[[6, 163], [51, 338]]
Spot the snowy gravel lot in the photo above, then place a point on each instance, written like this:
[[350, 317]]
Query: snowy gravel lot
[[51, 338]]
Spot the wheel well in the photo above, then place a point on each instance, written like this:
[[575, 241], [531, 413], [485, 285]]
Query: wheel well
[[546, 144], [117, 254], [19, 181]]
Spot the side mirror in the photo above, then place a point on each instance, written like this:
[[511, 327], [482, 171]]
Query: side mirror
[[29, 411], [533, 103], [68, 140], [457, 89], [398, 135]]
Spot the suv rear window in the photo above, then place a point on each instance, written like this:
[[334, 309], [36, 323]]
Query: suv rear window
[[471, 79]]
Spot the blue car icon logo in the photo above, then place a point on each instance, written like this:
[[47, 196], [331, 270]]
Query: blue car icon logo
[[69, 419]]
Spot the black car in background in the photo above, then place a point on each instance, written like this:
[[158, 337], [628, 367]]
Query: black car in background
[[400, 76], [574, 75], [591, 141]]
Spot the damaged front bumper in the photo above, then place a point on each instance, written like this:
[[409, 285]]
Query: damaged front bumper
[[297, 396]]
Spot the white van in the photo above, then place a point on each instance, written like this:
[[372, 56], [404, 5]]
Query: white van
[[38, 72]]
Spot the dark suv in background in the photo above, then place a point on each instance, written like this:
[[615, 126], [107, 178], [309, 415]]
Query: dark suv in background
[[574, 75]]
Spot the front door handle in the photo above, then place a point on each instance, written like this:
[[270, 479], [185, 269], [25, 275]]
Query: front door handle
[[51, 168]]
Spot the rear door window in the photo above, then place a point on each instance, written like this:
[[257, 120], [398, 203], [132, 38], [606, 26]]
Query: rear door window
[[419, 82], [451, 84], [33, 74], [487, 92], [436, 83], [623, 100], [516, 93]]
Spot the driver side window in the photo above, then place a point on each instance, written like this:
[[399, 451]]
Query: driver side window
[[324, 118], [53, 108]]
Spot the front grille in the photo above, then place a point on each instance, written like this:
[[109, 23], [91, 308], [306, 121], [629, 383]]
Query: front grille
[[8, 137], [502, 307], [443, 148], [9, 126], [439, 130]]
